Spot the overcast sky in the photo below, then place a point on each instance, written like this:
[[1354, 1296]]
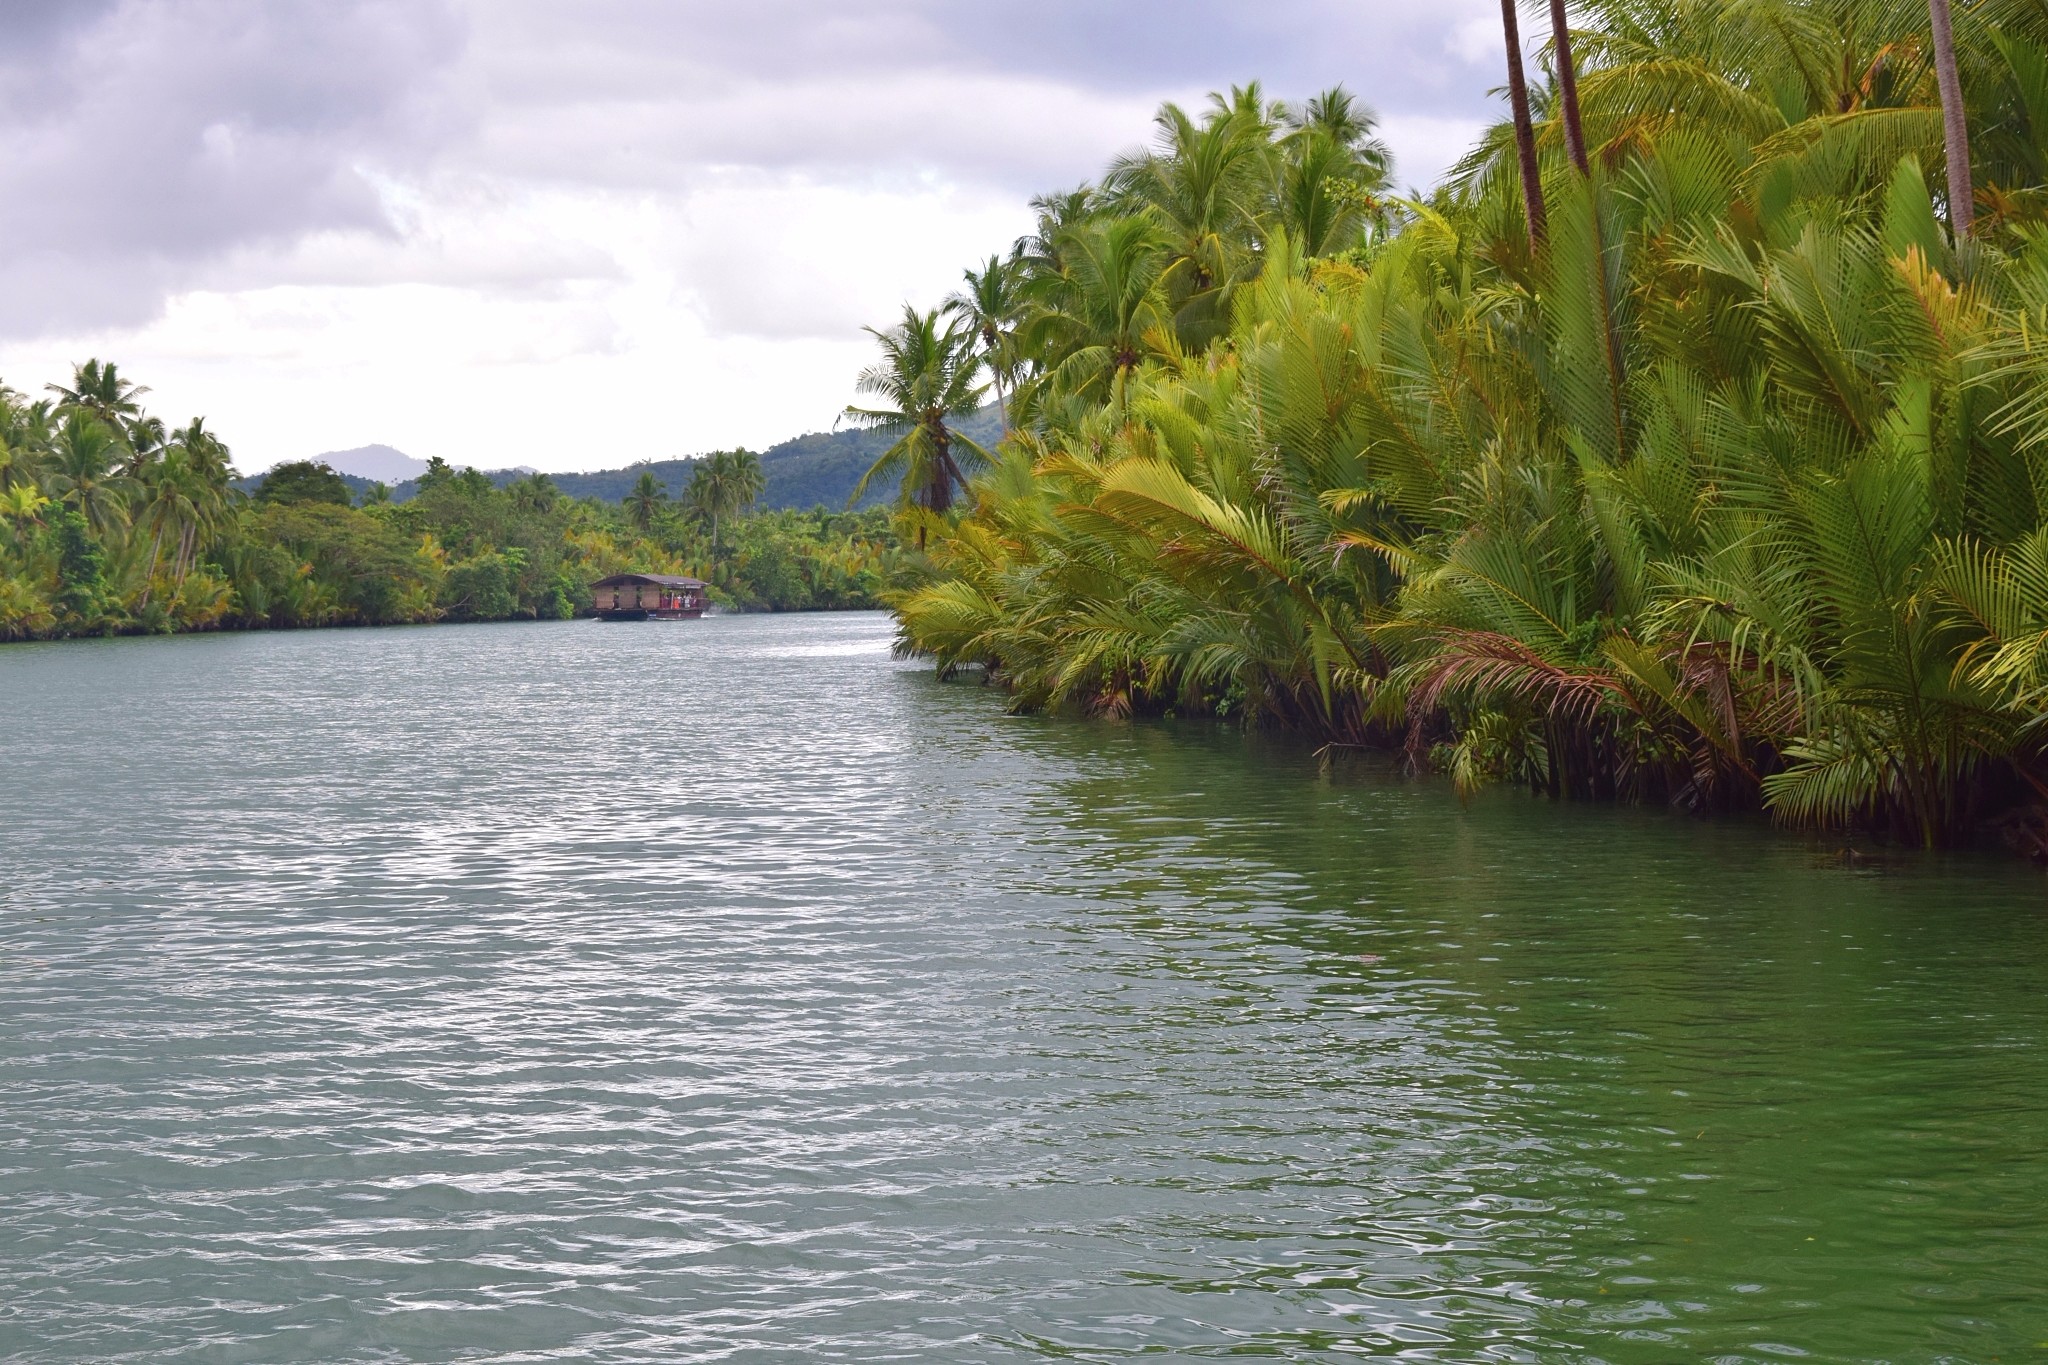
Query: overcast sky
[[576, 233]]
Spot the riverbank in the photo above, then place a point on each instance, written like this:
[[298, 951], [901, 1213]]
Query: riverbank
[[133, 633], [107, 529]]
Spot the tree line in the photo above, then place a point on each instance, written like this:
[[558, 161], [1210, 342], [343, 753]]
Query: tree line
[[1689, 443], [111, 522]]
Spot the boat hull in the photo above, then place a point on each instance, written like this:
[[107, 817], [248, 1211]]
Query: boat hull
[[651, 614]]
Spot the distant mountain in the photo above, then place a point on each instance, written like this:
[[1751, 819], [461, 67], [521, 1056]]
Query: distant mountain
[[823, 467], [817, 470], [380, 464]]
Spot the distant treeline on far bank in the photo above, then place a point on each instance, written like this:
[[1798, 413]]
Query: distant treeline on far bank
[[819, 469], [112, 522]]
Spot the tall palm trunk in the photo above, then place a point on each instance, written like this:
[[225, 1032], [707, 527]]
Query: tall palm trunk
[[939, 489], [1955, 127], [993, 345], [1575, 143], [155, 547], [1525, 131], [1568, 86]]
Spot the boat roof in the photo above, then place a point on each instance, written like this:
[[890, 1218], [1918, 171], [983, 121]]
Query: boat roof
[[666, 580]]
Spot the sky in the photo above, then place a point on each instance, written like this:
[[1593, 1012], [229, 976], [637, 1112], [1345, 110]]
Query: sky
[[573, 234]]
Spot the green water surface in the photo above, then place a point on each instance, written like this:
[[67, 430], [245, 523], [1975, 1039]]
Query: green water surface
[[726, 991]]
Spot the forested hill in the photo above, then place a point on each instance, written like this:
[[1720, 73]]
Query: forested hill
[[819, 469]]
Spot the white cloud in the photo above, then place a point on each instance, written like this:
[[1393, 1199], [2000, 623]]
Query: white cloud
[[1478, 40], [756, 263], [1425, 147], [522, 232]]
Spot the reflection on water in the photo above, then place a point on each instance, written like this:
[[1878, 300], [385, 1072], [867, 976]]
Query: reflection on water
[[726, 991]]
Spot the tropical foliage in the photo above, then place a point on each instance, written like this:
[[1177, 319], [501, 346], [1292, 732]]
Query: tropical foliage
[[1713, 472], [722, 487], [110, 522]]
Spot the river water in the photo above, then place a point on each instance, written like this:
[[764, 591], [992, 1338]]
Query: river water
[[729, 991]]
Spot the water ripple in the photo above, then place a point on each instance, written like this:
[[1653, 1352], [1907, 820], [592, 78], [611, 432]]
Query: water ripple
[[727, 991]]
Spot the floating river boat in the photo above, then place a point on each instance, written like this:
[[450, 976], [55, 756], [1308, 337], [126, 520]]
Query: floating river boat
[[648, 597]]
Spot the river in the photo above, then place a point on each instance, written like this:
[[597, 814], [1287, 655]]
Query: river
[[729, 991]]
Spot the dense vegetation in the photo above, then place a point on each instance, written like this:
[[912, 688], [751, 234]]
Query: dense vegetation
[[1708, 464], [111, 522]]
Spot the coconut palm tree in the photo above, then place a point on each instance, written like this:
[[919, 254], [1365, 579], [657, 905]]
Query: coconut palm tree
[[1328, 191], [925, 380], [1340, 116], [991, 305], [190, 486], [208, 454], [1205, 184], [146, 438], [1056, 214], [23, 502], [1095, 321], [746, 478], [534, 493], [645, 501], [83, 472], [26, 430], [99, 389], [173, 499], [723, 486]]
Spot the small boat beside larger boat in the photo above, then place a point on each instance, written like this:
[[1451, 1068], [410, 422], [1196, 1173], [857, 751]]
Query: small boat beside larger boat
[[647, 597]]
